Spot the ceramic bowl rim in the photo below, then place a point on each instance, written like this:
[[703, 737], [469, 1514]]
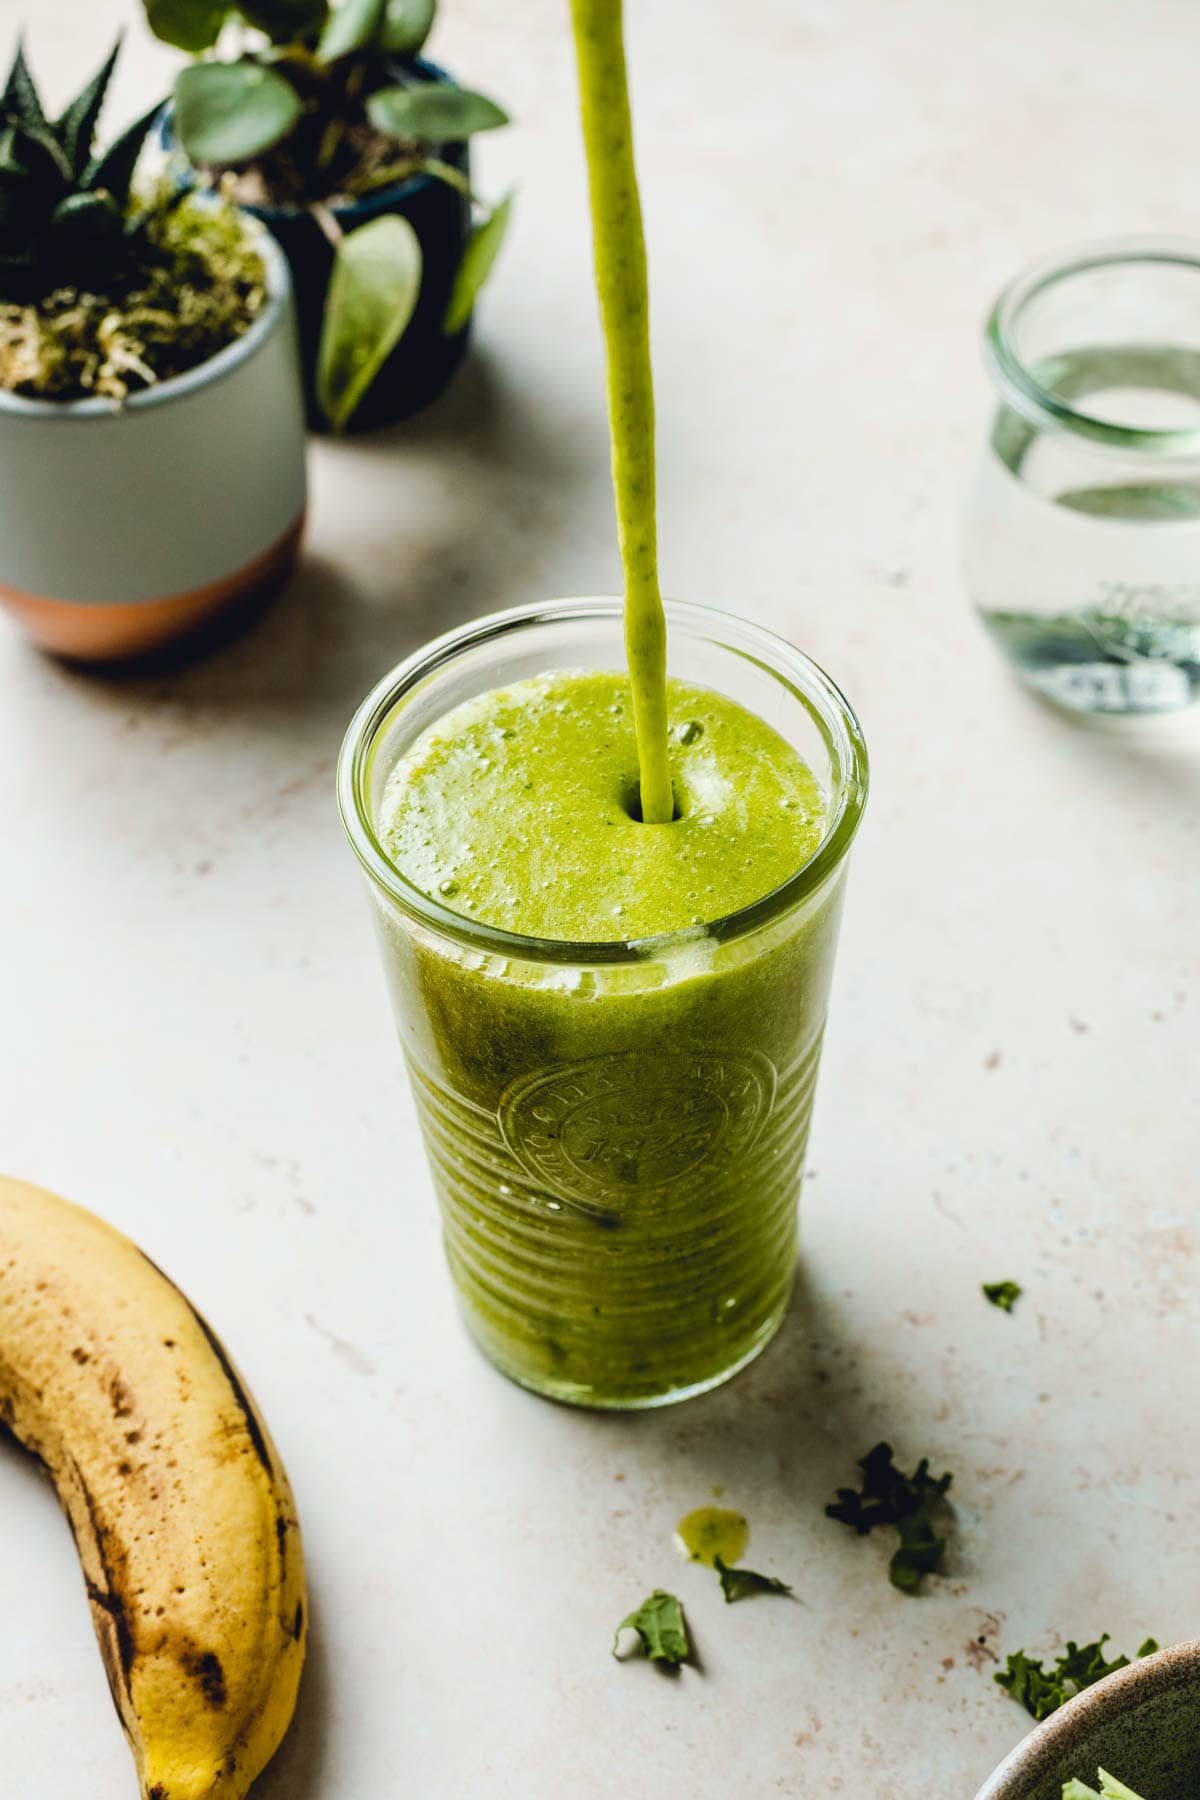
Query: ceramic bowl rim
[[1038, 1755]]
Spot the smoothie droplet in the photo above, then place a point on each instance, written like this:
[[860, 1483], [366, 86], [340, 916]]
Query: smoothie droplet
[[447, 888], [692, 732], [711, 1532]]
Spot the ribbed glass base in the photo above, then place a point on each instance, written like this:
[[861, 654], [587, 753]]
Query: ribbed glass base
[[613, 1295], [575, 1393]]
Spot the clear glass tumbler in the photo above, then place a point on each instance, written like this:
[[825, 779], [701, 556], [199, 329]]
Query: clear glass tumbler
[[1082, 539], [616, 1130]]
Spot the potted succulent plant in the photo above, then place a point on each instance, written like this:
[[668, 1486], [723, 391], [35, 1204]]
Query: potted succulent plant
[[322, 118], [151, 418]]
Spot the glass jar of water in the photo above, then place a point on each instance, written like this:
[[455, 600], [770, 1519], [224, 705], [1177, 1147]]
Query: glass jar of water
[[1082, 543]]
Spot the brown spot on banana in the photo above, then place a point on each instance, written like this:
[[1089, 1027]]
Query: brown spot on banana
[[115, 1638], [110, 1617], [122, 1399], [205, 1669], [244, 1404]]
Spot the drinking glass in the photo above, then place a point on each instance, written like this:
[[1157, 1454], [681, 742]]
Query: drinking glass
[[616, 1130]]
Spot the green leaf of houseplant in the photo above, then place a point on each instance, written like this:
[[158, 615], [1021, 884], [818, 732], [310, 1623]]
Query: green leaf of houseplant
[[405, 25], [85, 220], [77, 126], [372, 292], [230, 112], [349, 27], [10, 159], [284, 21], [192, 25], [475, 265], [113, 168], [433, 113], [19, 102], [34, 150]]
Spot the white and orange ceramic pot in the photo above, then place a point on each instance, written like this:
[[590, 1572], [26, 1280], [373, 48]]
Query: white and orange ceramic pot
[[127, 527]]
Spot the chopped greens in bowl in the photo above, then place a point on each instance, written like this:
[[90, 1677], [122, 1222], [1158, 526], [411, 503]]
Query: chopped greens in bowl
[[1110, 1789]]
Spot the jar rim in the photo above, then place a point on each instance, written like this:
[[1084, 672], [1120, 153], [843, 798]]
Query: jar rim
[[1039, 404], [826, 705]]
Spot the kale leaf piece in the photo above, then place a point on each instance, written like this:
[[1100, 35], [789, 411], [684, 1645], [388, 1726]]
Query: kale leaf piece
[[661, 1628], [908, 1502], [737, 1584], [1043, 1690]]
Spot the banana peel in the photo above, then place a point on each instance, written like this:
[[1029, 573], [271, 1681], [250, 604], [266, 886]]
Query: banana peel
[[182, 1511]]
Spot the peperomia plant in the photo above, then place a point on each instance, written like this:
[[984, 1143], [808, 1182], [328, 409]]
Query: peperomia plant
[[327, 104], [63, 204]]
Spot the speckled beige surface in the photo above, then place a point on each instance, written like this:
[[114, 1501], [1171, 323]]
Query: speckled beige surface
[[196, 1038]]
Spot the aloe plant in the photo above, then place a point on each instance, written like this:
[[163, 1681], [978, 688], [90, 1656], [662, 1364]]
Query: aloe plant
[[309, 102], [64, 205]]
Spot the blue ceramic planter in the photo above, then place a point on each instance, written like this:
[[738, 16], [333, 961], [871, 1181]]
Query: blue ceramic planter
[[425, 358]]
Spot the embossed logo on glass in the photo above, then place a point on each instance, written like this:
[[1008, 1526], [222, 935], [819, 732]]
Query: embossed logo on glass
[[603, 1130]]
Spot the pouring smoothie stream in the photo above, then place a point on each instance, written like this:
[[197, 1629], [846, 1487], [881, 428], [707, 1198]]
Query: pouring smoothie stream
[[620, 257], [607, 904]]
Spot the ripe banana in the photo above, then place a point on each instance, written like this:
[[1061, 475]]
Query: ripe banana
[[182, 1513]]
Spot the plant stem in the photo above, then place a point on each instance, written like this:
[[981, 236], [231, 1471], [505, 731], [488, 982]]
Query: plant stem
[[386, 176], [444, 171], [325, 219], [331, 137]]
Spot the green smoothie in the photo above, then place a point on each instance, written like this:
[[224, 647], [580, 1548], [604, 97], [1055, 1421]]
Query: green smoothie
[[517, 809], [617, 1146]]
